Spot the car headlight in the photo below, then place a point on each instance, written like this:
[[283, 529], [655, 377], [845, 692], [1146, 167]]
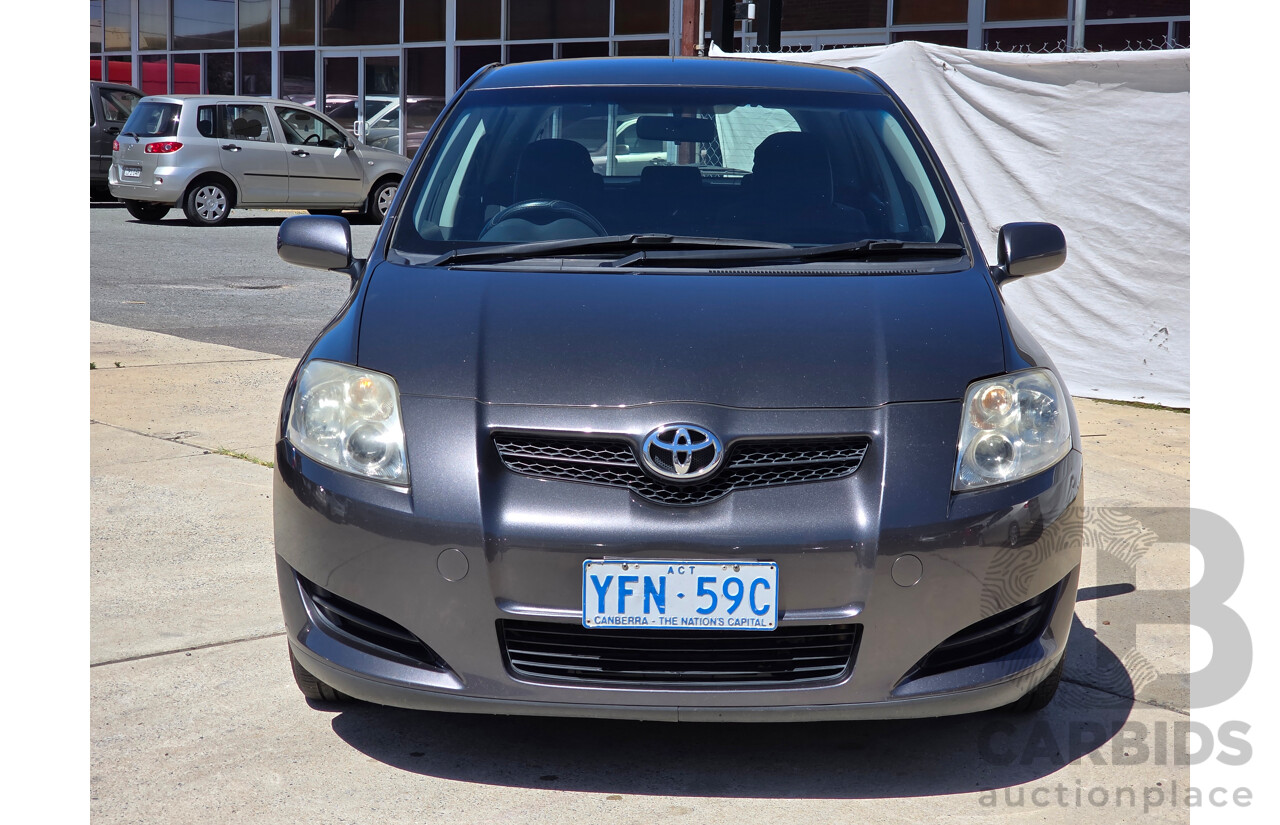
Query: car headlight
[[349, 419], [1012, 427]]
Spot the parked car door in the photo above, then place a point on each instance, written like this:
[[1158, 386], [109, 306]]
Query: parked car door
[[322, 170], [250, 152], [109, 108]]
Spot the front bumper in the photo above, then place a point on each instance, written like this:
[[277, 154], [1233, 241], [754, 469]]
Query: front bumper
[[523, 540]]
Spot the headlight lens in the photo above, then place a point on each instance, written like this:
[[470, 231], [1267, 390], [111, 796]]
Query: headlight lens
[[349, 419], [1013, 427]]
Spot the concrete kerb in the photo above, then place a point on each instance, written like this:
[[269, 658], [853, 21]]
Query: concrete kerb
[[214, 397]]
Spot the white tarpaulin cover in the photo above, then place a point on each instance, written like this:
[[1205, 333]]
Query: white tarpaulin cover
[[1098, 143]]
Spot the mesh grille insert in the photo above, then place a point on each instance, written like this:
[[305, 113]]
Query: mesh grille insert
[[367, 628], [612, 462], [992, 637], [547, 651]]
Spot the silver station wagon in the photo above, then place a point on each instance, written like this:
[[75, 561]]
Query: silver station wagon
[[209, 154]]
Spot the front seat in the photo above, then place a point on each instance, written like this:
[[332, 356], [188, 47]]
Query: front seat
[[552, 177], [790, 196], [557, 169]]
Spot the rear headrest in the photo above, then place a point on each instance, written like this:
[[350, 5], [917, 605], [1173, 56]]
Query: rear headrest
[[246, 128], [678, 178], [795, 168], [558, 169]]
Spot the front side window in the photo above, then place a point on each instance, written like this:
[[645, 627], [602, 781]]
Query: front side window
[[305, 127], [153, 119], [783, 167]]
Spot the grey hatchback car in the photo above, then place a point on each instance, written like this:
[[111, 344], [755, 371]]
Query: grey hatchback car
[[720, 435], [209, 154]]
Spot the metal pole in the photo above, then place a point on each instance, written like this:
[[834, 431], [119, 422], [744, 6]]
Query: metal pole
[[702, 27], [1077, 32]]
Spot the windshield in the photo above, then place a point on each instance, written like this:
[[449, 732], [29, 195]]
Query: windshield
[[793, 167], [152, 118]]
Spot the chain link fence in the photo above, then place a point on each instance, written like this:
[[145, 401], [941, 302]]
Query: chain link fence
[[1059, 47]]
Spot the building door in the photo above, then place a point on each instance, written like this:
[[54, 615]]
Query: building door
[[363, 93]]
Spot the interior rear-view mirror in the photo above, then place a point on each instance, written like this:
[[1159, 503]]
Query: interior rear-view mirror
[[677, 129]]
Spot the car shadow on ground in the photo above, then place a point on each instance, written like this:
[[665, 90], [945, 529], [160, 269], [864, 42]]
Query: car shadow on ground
[[230, 223], [841, 760]]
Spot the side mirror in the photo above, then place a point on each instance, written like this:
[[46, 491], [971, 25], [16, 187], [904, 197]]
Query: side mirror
[[1028, 249], [317, 241]]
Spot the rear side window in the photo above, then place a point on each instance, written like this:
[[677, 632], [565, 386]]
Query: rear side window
[[207, 121], [246, 122], [152, 118], [117, 104]]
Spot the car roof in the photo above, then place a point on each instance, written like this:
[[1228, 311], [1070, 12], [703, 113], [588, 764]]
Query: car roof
[[680, 71], [109, 84], [222, 99]]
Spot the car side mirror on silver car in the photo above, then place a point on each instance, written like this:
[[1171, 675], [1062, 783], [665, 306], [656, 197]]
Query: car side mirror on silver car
[[316, 241], [1028, 248]]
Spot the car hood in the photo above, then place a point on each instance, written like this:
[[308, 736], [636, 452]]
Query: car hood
[[620, 338]]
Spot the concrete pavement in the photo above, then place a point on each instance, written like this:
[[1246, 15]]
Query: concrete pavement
[[194, 716]]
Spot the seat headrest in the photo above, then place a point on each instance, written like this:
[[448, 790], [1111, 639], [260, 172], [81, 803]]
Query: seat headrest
[[671, 177], [558, 169], [795, 168], [246, 128]]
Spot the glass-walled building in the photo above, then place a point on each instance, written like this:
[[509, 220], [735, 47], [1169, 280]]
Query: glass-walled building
[[1004, 25], [364, 61], [385, 67]]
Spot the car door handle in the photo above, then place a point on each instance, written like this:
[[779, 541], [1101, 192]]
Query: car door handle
[[231, 147], [113, 130], [302, 153]]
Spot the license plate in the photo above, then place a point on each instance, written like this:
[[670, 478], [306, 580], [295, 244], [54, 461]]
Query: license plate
[[680, 595], [131, 172]]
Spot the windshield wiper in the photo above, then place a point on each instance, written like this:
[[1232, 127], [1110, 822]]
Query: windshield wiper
[[851, 251], [604, 244]]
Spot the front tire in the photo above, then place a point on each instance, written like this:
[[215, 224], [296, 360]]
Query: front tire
[[207, 203], [379, 202], [311, 687], [145, 211], [1039, 697]]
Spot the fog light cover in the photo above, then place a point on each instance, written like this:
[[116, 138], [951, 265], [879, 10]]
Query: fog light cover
[[349, 419], [1012, 427]]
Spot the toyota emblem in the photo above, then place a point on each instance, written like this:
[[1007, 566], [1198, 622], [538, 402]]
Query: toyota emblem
[[682, 452]]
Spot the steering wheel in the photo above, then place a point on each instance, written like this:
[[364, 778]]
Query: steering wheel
[[543, 211], [309, 137]]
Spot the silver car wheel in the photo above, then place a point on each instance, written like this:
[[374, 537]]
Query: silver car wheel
[[385, 197], [211, 203]]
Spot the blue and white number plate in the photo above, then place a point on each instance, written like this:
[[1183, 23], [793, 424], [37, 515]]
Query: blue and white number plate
[[680, 595]]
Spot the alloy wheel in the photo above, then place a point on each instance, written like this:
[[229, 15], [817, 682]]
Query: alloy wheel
[[385, 197], [211, 203]]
